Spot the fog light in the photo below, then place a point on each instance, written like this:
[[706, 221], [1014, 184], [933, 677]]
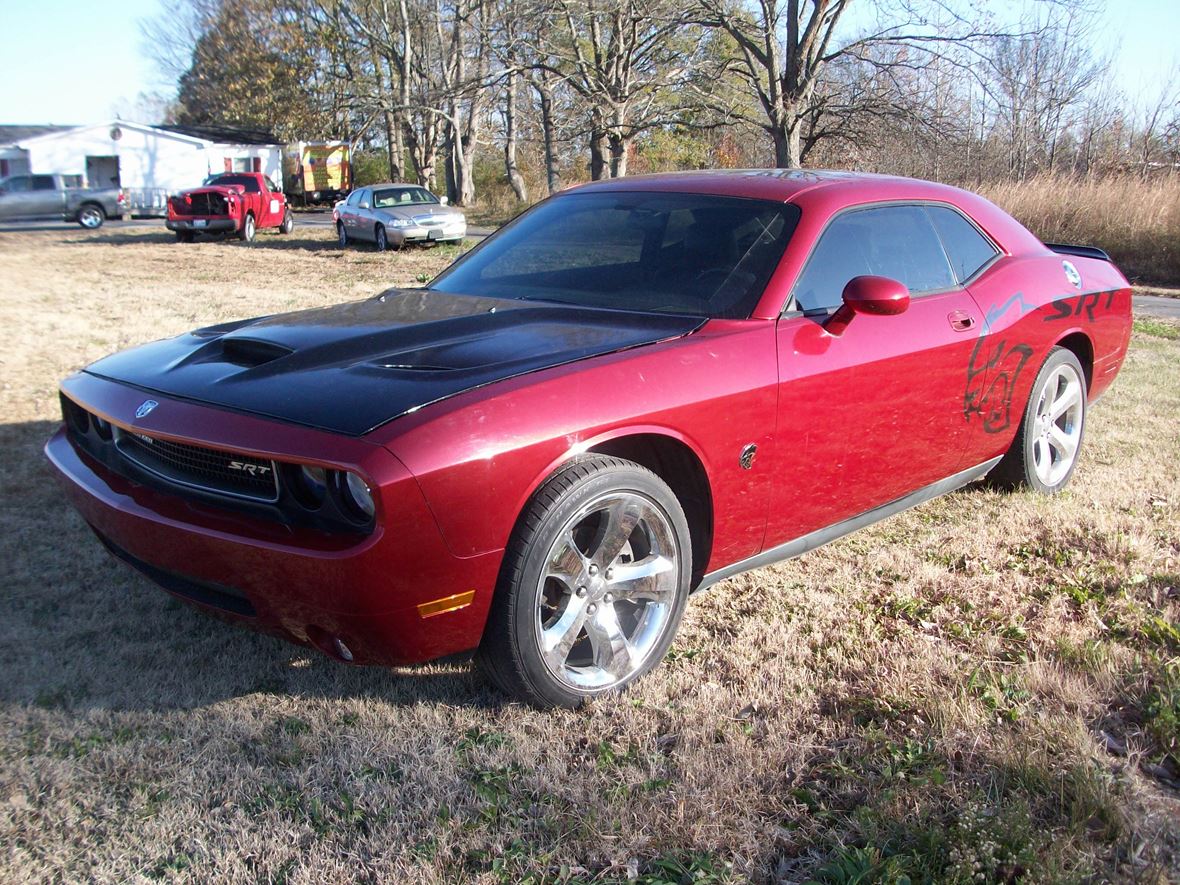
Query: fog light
[[310, 485], [357, 495], [102, 427]]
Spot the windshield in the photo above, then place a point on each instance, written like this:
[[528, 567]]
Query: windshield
[[671, 253], [249, 182], [393, 197]]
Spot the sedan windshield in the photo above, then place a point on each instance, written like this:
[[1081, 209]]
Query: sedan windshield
[[654, 252], [392, 197]]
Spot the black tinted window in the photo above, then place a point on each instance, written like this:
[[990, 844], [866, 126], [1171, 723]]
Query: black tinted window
[[889, 241], [43, 183], [17, 185], [675, 253], [248, 182], [967, 248]]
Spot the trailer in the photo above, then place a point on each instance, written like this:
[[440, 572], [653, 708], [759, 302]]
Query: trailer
[[317, 172]]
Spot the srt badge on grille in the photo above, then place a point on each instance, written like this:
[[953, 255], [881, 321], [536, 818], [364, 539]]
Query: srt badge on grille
[[252, 469], [145, 408]]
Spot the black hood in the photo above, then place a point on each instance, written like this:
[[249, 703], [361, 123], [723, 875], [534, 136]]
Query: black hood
[[352, 367]]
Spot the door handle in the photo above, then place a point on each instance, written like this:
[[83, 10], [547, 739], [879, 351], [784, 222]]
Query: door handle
[[960, 320]]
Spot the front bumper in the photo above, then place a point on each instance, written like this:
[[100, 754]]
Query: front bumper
[[442, 234], [308, 585], [202, 225]]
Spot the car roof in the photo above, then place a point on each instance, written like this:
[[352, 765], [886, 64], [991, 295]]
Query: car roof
[[823, 192]]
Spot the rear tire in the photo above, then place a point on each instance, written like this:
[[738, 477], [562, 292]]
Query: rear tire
[[288, 224], [248, 229], [1045, 451], [91, 216], [593, 586], [184, 236]]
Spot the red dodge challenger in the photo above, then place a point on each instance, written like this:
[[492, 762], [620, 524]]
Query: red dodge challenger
[[637, 389]]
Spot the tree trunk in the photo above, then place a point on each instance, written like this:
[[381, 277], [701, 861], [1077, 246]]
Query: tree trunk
[[787, 148], [548, 131], [598, 168], [514, 177], [393, 140], [618, 156]]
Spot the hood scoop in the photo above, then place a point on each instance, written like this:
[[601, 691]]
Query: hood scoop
[[251, 352]]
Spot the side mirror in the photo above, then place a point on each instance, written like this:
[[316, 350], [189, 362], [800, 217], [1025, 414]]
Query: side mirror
[[879, 296], [443, 201]]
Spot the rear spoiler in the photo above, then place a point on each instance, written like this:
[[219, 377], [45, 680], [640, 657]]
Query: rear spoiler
[[1079, 251]]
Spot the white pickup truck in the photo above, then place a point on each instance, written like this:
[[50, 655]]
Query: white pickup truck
[[24, 197]]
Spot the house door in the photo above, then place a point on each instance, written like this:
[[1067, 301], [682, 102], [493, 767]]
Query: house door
[[102, 172]]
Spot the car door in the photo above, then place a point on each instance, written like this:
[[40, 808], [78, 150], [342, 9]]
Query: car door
[[45, 198], [17, 197], [876, 412], [353, 211]]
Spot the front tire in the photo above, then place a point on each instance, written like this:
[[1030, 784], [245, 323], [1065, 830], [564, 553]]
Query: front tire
[[1045, 452], [341, 234], [91, 216], [248, 229], [594, 584], [380, 239]]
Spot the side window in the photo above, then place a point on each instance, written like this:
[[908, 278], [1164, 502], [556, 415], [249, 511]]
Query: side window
[[355, 198], [18, 185], [43, 183], [888, 241], [967, 248]]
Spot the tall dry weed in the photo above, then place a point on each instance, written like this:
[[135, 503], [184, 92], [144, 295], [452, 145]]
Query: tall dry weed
[[1137, 221]]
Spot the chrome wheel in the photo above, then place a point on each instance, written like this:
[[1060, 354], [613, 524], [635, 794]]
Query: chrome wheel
[[1057, 429], [607, 593], [90, 217]]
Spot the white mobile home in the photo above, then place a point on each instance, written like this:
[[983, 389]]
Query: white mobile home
[[148, 162]]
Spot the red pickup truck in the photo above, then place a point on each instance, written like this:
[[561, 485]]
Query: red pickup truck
[[229, 203]]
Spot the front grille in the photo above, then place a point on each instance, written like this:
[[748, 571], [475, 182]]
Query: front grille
[[198, 467]]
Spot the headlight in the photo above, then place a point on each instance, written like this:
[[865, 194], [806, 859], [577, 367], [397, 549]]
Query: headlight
[[400, 222], [357, 495]]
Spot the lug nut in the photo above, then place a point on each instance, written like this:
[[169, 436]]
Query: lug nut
[[610, 573], [592, 608], [581, 591], [608, 598], [593, 570]]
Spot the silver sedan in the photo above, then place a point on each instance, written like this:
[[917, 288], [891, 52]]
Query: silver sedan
[[391, 215]]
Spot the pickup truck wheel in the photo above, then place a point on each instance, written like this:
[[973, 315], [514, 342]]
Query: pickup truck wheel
[[380, 239], [248, 229], [91, 216], [288, 224], [184, 236], [593, 585], [1045, 452], [341, 234]]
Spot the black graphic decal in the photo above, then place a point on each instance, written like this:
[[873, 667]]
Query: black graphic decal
[[1064, 308], [989, 393]]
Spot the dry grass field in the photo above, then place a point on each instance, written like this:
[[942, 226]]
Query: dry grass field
[[1136, 220], [984, 689]]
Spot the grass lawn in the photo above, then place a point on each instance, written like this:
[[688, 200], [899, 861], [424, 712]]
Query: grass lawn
[[985, 688]]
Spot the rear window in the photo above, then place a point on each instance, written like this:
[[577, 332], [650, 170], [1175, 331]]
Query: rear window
[[655, 252], [249, 182], [967, 248]]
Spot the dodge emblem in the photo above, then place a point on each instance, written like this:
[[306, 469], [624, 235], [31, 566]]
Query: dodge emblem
[[145, 408]]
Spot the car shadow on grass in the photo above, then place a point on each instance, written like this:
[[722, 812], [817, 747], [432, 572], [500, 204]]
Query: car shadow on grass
[[83, 631]]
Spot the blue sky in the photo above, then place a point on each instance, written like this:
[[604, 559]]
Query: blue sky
[[80, 61]]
